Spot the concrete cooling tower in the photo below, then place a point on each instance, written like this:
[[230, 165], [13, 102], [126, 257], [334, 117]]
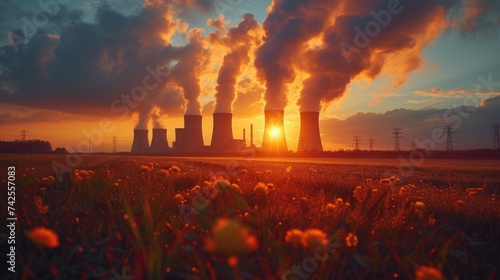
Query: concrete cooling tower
[[159, 143], [274, 141], [141, 141], [309, 138], [189, 138], [222, 135]]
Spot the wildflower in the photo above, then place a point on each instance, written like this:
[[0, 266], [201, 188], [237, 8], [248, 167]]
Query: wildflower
[[419, 205], [244, 172], [428, 273], [258, 172], [230, 237], [385, 182], [403, 191], [51, 179], [45, 180], [151, 165], [40, 208], [330, 208], [235, 187], [313, 237], [175, 169], [303, 199], [222, 184], [472, 193], [261, 189], [288, 168], [179, 198], [460, 203], [269, 172], [294, 237], [84, 174], [369, 181], [162, 173], [270, 186], [351, 240], [43, 237], [339, 201], [375, 191], [145, 169], [232, 261], [196, 189]]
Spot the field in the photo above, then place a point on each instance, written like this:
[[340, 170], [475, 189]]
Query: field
[[124, 217]]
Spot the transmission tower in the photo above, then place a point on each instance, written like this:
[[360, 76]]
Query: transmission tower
[[397, 135], [114, 143], [24, 135], [357, 142], [414, 145], [496, 136], [449, 139], [370, 141]]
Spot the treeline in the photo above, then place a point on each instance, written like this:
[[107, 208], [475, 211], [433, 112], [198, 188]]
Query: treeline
[[25, 147]]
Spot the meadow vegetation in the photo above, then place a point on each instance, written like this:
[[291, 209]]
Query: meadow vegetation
[[172, 218]]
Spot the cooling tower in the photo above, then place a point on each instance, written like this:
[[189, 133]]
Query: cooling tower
[[159, 143], [309, 139], [274, 141], [222, 134], [141, 142], [192, 134]]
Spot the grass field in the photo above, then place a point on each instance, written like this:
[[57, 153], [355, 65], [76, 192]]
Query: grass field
[[121, 217]]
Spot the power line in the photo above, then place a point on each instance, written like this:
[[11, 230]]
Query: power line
[[397, 135], [357, 142]]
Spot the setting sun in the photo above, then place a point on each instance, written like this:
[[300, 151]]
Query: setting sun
[[275, 132]]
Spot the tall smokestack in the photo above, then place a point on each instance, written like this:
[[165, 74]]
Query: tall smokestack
[[309, 139], [192, 133], [159, 143], [274, 141], [251, 135], [141, 141], [222, 134]]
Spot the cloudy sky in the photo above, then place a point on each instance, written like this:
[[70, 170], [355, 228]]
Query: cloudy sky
[[368, 66]]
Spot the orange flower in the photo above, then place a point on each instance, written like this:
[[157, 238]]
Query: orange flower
[[230, 237], [351, 240], [428, 273], [294, 237], [261, 189], [43, 237], [313, 237], [419, 205]]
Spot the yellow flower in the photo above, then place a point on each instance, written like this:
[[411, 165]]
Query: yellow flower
[[84, 174], [330, 208], [339, 201], [175, 169], [313, 237], [162, 173], [351, 240], [43, 237], [222, 184], [428, 273], [419, 205], [230, 237], [261, 189], [235, 187], [145, 169], [178, 198], [294, 237]]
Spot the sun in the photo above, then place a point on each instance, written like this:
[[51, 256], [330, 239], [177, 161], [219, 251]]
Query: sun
[[275, 132]]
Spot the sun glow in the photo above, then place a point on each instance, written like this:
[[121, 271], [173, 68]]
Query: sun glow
[[275, 132]]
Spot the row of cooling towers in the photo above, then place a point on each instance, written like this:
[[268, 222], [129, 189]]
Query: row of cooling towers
[[190, 138]]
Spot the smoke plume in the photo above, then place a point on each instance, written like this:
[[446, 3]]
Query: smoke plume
[[240, 42]]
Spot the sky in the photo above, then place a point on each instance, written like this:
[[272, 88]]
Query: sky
[[70, 70]]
